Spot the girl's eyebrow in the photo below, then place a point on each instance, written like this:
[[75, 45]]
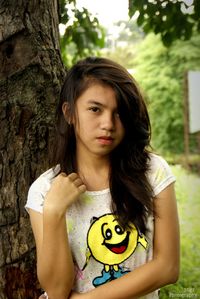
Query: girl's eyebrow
[[95, 103]]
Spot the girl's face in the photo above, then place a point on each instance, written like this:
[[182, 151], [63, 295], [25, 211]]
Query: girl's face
[[97, 124]]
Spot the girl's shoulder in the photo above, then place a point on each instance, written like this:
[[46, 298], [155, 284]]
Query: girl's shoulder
[[45, 178], [160, 173], [39, 188], [157, 161]]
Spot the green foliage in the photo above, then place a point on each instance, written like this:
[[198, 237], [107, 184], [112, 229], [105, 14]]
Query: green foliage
[[123, 55], [124, 48], [83, 34], [188, 197], [129, 31], [160, 72], [173, 19]]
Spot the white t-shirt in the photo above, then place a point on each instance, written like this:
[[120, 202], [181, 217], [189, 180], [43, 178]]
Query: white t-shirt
[[101, 249]]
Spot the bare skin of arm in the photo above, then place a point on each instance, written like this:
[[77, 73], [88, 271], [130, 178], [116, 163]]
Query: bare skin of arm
[[54, 260], [163, 269]]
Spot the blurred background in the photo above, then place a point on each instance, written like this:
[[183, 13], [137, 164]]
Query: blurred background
[[159, 43]]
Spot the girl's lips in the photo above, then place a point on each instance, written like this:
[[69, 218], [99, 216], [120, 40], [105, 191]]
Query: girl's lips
[[105, 140]]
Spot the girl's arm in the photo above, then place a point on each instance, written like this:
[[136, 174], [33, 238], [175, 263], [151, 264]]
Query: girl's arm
[[163, 269], [54, 260]]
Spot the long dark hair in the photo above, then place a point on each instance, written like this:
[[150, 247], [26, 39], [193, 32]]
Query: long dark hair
[[130, 189]]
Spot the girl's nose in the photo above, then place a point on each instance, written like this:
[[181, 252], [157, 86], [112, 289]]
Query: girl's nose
[[108, 122]]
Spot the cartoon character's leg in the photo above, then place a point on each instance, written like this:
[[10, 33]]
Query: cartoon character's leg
[[118, 272], [106, 276]]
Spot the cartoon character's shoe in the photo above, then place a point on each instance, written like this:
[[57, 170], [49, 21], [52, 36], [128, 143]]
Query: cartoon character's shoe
[[106, 276], [119, 273]]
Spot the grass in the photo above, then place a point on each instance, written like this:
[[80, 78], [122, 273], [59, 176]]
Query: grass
[[188, 199]]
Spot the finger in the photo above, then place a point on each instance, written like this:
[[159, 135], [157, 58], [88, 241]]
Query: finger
[[63, 174], [78, 182], [82, 188], [73, 176]]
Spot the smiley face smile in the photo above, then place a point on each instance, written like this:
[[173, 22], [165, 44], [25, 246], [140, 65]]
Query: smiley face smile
[[120, 247]]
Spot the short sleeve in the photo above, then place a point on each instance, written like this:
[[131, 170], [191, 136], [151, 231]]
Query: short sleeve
[[38, 190], [36, 194], [160, 174]]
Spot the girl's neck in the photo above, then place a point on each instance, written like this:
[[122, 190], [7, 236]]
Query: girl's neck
[[91, 162], [94, 171]]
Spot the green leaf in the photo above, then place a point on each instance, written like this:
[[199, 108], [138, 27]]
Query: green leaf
[[151, 9], [64, 19], [133, 7], [188, 31], [140, 19], [167, 39]]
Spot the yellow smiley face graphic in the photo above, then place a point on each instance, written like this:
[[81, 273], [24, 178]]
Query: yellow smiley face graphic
[[109, 243]]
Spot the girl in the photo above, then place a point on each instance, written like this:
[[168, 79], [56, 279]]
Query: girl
[[104, 217]]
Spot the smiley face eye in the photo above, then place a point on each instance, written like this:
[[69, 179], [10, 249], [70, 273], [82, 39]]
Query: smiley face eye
[[119, 230], [108, 234]]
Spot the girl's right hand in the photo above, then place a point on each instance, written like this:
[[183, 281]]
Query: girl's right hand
[[64, 190]]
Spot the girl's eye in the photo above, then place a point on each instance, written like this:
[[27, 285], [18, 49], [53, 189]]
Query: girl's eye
[[94, 109]]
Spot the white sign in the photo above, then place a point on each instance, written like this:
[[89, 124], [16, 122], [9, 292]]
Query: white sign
[[194, 101]]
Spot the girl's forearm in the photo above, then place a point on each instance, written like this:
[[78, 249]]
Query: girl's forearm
[[141, 281], [55, 265]]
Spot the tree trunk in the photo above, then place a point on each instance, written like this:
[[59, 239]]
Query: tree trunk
[[31, 72]]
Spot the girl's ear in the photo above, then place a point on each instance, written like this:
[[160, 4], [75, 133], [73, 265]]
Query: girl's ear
[[66, 112]]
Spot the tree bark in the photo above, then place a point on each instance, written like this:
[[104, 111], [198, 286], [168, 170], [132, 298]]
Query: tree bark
[[31, 73]]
